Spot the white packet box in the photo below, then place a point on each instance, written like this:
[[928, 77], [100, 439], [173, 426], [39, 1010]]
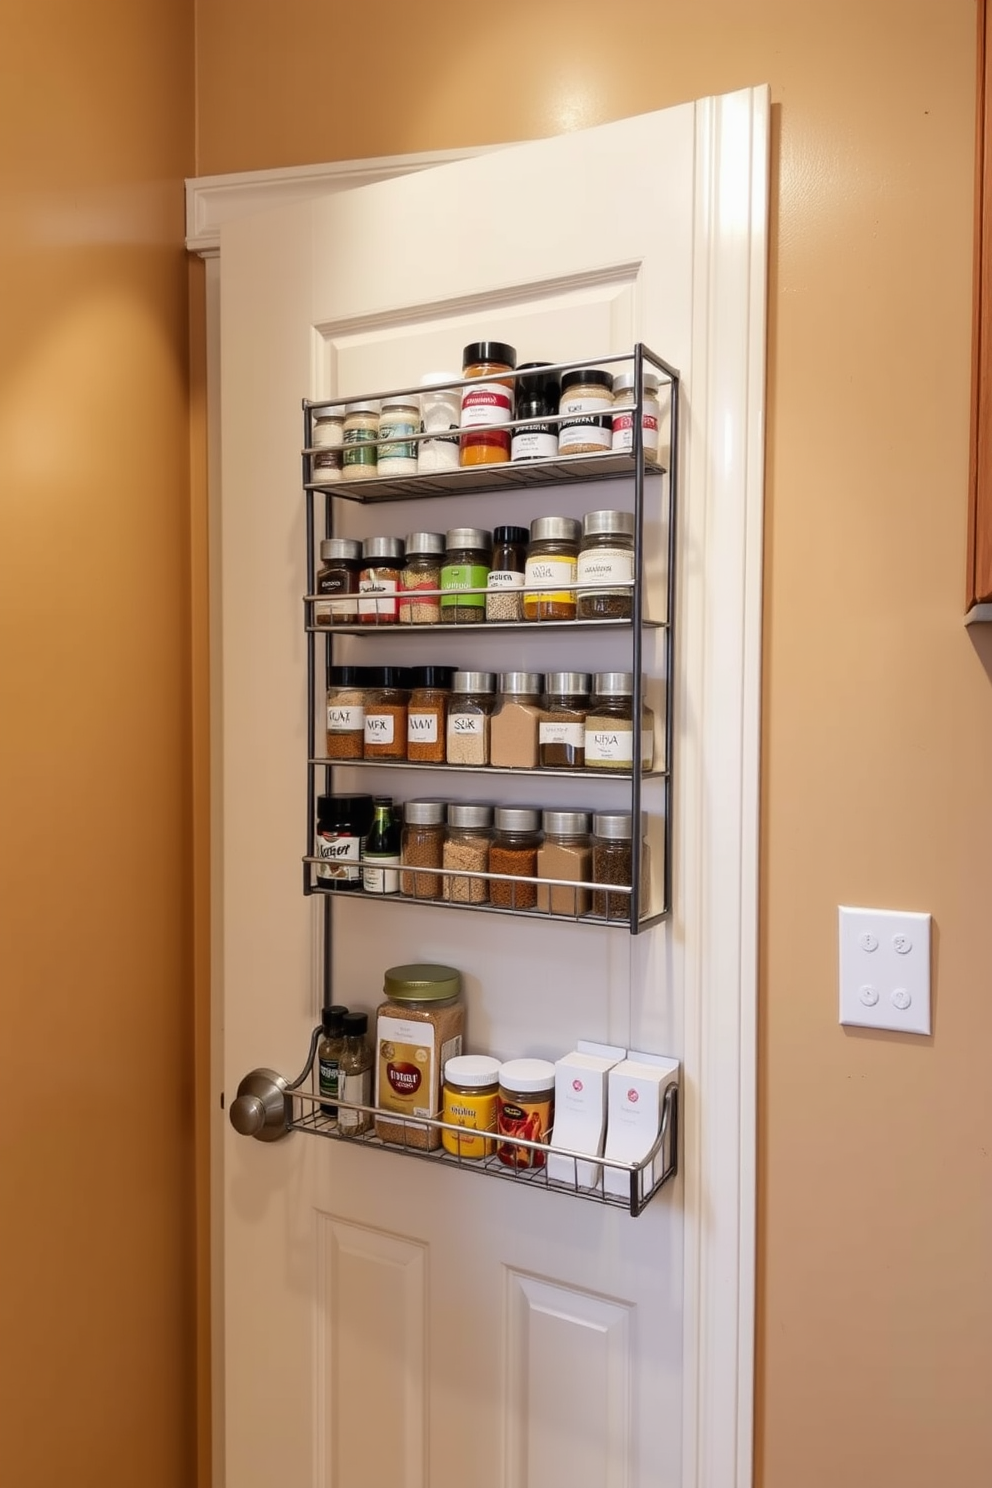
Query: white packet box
[[636, 1090], [580, 1114]]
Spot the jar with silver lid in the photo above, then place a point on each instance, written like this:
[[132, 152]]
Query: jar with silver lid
[[515, 723], [399, 418], [466, 846], [473, 696], [552, 559], [467, 561], [623, 414], [561, 735], [565, 853], [382, 560], [328, 427], [360, 439], [338, 576], [610, 725], [606, 557], [422, 849], [422, 570], [612, 863], [516, 838]]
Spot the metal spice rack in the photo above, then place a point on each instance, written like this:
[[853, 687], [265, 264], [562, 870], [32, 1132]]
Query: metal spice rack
[[635, 468]]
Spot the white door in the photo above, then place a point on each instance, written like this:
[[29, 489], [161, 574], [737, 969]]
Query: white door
[[386, 1322]]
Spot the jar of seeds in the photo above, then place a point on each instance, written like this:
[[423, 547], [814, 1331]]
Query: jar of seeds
[[422, 849], [467, 560], [473, 696], [505, 600], [612, 864], [606, 558], [422, 570], [466, 846]]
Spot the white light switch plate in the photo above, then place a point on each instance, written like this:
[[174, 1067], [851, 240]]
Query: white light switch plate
[[885, 969]]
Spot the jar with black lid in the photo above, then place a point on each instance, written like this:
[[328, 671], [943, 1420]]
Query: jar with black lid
[[505, 600], [552, 558], [587, 399], [538, 395], [427, 714], [467, 559], [338, 575], [606, 557], [386, 713], [561, 733], [487, 401], [342, 824], [346, 711]]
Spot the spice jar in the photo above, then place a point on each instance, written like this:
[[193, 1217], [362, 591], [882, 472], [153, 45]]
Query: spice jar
[[505, 582], [427, 714], [328, 1056], [328, 427], [623, 414], [587, 399], [361, 430], [398, 419], [610, 725], [338, 575], [422, 847], [467, 560], [418, 1029], [561, 734], [612, 864], [385, 713], [489, 401], [381, 849], [440, 411], [473, 697], [342, 822], [552, 556], [516, 838], [538, 394], [606, 557], [382, 560], [515, 722], [566, 852], [525, 1108], [355, 1074], [471, 1083], [422, 570], [346, 712], [466, 846], [326, 467]]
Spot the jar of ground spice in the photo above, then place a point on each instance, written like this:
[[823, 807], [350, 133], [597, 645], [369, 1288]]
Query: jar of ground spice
[[552, 557], [422, 570], [516, 720], [337, 578], [427, 714], [467, 560], [488, 401], [466, 847], [612, 864], [361, 431], [561, 733], [419, 1028], [386, 713], [346, 712], [422, 849], [566, 852], [516, 839], [587, 399], [505, 599], [473, 696], [382, 560], [606, 558]]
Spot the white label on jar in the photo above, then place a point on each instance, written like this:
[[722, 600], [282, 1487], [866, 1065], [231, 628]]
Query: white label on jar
[[339, 857], [504, 578], [379, 875], [345, 720], [595, 431], [606, 566], [379, 728], [421, 728], [357, 1089], [486, 403], [597, 404], [613, 745], [550, 571], [534, 444], [466, 723], [385, 609], [562, 733], [623, 431]]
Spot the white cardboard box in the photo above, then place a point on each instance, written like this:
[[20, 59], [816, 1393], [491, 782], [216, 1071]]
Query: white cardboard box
[[637, 1087], [612, 1052], [580, 1114]]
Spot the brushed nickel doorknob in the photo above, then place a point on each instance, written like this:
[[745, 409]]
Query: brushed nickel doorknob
[[261, 1107]]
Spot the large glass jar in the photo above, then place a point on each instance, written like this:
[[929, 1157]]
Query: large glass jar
[[552, 557], [516, 839], [466, 847], [610, 725], [422, 570], [419, 1028], [606, 558], [562, 730], [516, 720], [338, 576], [612, 864], [566, 852], [427, 714], [473, 696], [489, 401], [386, 713], [422, 849], [467, 559], [505, 600]]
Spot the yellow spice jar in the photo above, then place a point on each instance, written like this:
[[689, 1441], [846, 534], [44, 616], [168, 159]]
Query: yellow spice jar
[[471, 1085]]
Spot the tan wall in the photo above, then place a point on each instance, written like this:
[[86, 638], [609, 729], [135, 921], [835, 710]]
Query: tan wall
[[96, 1290], [875, 1305]]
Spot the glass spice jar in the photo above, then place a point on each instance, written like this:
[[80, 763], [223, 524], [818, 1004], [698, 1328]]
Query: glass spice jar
[[418, 1029], [516, 839], [326, 467], [587, 399], [379, 579], [346, 712], [427, 714], [561, 734], [421, 570], [612, 864], [386, 713], [505, 600], [466, 847], [467, 560], [606, 557], [440, 413], [471, 1085], [341, 562], [552, 557], [525, 1109], [398, 419], [610, 725], [342, 823], [515, 722], [329, 1055], [422, 849], [489, 401], [473, 696], [566, 852], [538, 395], [361, 432], [623, 414], [355, 1074], [328, 427]]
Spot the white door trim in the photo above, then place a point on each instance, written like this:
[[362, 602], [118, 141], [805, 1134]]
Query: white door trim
[[720, 776]]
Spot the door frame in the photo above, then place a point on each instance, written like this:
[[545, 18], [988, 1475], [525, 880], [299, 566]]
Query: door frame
[[720, 1073]]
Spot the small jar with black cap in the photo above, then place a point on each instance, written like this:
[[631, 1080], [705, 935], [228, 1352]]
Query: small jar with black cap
[[337, 579], [587, 400], [355, 1074], [489, 401], [386, 713], [329, 1056], [346, 712], [343, 822], [427, 714], [538, 395], [505, 600]]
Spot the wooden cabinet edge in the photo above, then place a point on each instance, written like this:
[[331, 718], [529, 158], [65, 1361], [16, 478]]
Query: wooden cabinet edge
[[979, 577]]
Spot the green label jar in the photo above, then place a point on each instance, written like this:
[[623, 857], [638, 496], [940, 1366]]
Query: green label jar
[[467, 561]]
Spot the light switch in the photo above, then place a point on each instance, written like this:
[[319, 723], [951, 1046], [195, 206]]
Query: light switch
[[885, 969]]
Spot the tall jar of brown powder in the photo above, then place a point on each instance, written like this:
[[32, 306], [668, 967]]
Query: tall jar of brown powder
[[515, 722], [422, 848]]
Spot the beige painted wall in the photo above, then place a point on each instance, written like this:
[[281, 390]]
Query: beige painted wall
[[96, 1288], [875, 1303]]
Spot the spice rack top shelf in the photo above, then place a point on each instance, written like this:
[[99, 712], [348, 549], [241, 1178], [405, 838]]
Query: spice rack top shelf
[[486, 479]]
